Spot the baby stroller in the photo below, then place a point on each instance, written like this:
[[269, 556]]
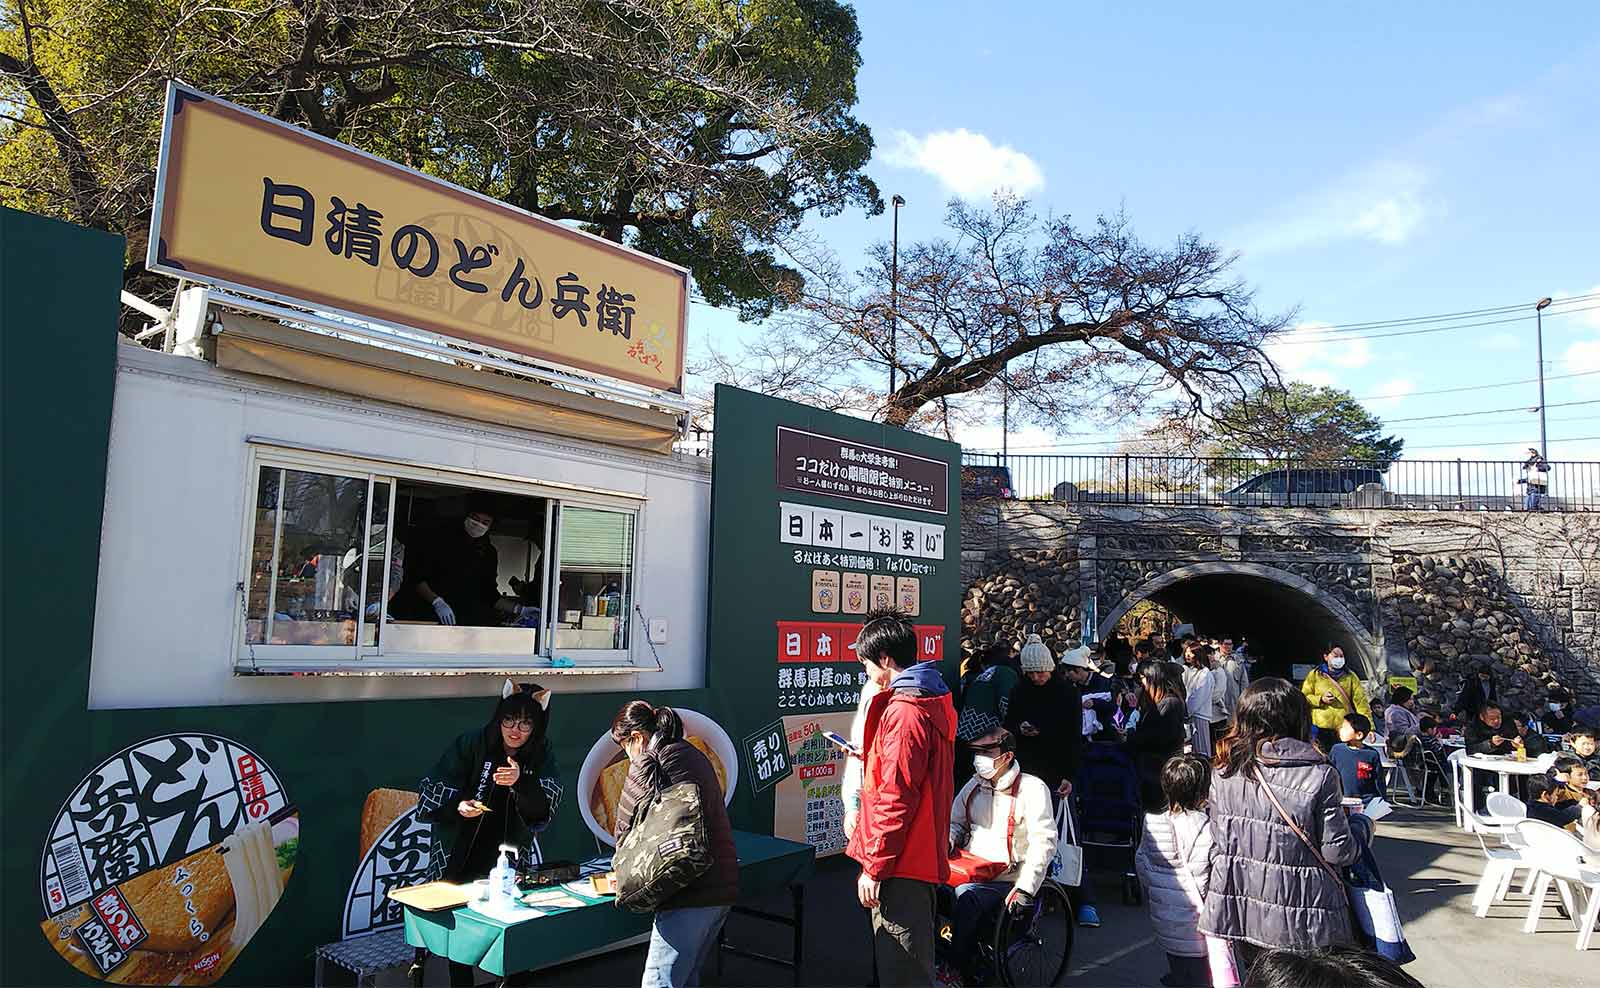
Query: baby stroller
[[1110, 817]]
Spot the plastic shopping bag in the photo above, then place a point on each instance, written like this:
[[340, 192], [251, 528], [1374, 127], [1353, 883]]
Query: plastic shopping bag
[[1067, 865]]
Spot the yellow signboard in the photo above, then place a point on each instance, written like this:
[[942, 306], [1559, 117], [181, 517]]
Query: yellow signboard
[[252, 204]]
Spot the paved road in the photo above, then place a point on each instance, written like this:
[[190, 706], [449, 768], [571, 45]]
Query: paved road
[[1432, 867]]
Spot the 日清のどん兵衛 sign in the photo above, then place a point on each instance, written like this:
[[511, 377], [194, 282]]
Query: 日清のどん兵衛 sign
[[265, 208]]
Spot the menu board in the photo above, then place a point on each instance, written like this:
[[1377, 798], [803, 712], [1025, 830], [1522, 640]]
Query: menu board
[[818, 520]]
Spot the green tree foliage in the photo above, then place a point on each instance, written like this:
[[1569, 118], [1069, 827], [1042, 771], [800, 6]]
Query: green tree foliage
[[1303, 422], [703, 131]]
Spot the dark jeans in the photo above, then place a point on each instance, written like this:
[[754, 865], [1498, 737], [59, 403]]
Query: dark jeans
[[977, 909], [1189, 972], [902, 932]]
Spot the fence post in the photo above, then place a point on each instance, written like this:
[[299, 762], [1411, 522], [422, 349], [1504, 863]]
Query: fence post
[[1458, 478], [1288, 482], [1126, 494]]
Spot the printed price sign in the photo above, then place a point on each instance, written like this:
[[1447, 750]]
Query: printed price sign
[[767, 754]]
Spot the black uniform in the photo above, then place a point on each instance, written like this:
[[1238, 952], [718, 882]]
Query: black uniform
[[463, 570]]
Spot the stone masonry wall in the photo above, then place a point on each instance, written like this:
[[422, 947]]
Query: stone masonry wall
[[1435, 592]]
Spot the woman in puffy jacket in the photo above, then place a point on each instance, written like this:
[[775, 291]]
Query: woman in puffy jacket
[[1270, 882], [1173, 863], [686, 925]]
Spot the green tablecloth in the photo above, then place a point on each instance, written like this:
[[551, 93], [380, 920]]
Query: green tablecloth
[[766, 865]]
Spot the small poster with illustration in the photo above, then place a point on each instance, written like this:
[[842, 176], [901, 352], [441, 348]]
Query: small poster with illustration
[[855, 593], [882, 593], [824, 591], [908, 595]]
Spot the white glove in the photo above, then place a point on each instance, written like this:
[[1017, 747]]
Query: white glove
[[442, 608]]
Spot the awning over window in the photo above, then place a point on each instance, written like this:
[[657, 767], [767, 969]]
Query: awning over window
[[258, 346]]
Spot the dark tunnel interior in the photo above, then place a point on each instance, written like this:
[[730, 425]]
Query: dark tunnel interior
[[1283, 625]]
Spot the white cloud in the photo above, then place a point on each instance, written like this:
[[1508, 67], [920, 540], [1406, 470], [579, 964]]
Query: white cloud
[[1384, 202], [1501, 342], [1394, 391], [1589, 318], [1581, 357], [1309, 353], [967, 164]]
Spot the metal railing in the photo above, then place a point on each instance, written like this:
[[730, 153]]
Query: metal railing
[[1439, 485]]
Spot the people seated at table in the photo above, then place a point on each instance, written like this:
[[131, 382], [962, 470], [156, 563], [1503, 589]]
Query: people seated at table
[[1004, 815], [1562, 793], [1532, 742], [1400, 716], [687, 923], [1583, 744], [1557, 716], [504, 772], [1360, 767]]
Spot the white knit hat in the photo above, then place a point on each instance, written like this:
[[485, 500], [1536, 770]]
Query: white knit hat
[[1076, 658], [1036, 655]]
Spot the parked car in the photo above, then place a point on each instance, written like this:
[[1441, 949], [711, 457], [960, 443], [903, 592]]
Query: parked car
[[986, 481], [1310, 485]]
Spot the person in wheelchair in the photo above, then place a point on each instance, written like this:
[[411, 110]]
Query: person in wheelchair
[[1004, 819]]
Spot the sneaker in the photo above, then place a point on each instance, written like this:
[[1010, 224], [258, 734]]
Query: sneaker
[[1088, 916]]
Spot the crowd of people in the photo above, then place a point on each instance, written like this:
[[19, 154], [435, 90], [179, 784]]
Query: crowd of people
[[1246, 787], [1245, 816]]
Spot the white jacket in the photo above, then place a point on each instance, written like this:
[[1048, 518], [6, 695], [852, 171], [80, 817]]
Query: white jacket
[[850, 785], [1174, 866], [983, 832]]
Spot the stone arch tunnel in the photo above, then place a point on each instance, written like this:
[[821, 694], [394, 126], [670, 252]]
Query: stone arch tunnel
[[1285, 619]]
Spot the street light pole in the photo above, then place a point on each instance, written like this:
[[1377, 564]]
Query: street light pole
[[894, 291], [1538, 315]]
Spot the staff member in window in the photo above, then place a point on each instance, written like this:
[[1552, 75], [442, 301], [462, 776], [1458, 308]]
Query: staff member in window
[[453, 574], [495, 784]]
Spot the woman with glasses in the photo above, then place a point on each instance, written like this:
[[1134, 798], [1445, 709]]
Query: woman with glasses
[[498, 784]]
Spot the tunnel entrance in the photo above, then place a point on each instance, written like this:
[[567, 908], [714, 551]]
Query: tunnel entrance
[[1285, 619]]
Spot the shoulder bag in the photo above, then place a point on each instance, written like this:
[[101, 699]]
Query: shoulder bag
[[665, 850], [1374, 915], [966, 867]]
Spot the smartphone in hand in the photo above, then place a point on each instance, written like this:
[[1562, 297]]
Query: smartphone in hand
[[841, 742]]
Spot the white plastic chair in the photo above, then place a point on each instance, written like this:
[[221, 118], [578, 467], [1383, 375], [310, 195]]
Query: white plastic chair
[[1502, 851], [1558, 856]]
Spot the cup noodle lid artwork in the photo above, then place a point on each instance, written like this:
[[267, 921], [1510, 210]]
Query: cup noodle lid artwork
[[165, 860]]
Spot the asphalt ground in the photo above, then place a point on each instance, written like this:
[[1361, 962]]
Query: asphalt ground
[[1432, 867]]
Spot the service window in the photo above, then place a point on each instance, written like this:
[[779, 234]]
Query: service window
[[376, 567]]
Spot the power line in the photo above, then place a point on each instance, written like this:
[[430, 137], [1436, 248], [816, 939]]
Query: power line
[[1308, 340], [1492, 411], [1448, 316], [1477, 387]]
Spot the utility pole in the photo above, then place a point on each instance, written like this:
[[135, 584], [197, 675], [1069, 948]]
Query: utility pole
[[1538, 315], [894, 292]]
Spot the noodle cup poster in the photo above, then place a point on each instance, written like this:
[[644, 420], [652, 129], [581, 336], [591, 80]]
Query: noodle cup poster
[[817, 519], [166, 859]]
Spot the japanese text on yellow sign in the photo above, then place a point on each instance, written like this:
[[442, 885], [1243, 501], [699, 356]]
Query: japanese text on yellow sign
[[257, 205]]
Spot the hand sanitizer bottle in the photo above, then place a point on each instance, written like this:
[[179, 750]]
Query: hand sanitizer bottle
[[503, 878]]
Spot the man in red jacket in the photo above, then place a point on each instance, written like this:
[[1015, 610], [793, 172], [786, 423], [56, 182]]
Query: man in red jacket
[[903, 834]]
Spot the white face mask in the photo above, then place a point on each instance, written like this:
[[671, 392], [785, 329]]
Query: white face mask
[[1555, 708], [475, 528], [984, 766], [1336, 662]]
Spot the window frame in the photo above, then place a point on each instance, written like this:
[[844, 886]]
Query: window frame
[[267, 659]]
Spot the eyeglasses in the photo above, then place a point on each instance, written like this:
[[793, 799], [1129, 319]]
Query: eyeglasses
[[516, 724]]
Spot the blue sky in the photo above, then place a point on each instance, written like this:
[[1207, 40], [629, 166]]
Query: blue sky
[[1368, 161]]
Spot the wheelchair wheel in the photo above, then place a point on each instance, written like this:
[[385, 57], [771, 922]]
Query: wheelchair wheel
[[1035, 949]]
